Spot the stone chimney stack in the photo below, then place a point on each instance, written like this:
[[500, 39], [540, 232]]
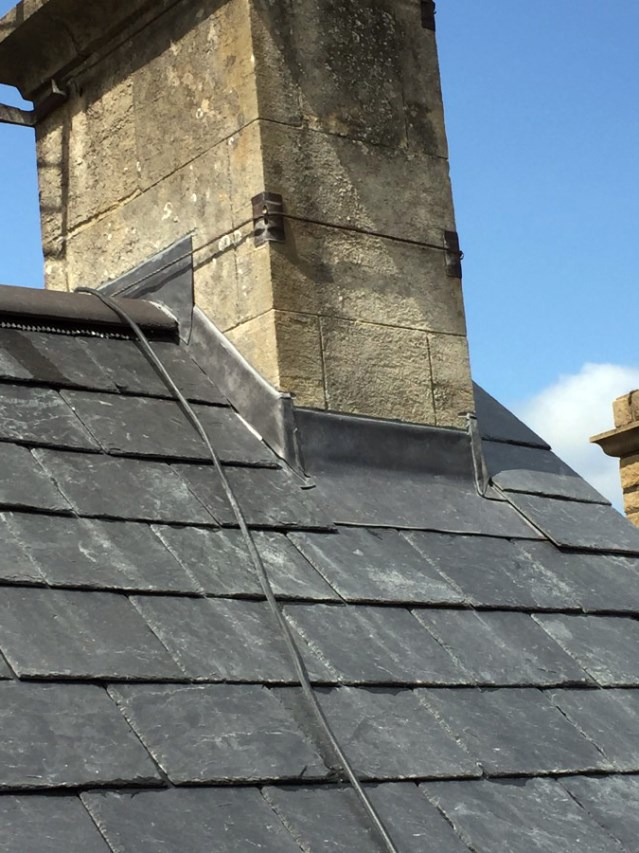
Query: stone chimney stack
[[623, 443], [181, 114]]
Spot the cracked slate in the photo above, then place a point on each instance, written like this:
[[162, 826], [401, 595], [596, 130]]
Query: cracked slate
[[222, 640], [605, 646], [375, 565], [80, 552], [528, 469], [25, 483], [51, 633], [497, 423], [491, 572], [330, 818], [129, 371], [386, 733], [219, 563], [502, 648], [513, 731], [375, 644], [269, 498], [595, 581], [579, 525], [233, 820], [144, 426], [372, 497], [77, 736], [133, 489], [40, 416], [519, 816], [613, 801], [218, 733], [610, 718], [47, 825]]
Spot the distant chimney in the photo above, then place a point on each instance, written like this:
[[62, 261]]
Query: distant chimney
[[196, 116], [623, 443]]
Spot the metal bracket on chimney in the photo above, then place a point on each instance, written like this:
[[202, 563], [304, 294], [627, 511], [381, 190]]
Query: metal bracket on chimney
[[50, 97], [428, 14], [454, 255], [268, 219]]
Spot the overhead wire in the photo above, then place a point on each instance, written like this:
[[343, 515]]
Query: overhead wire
[[297, 660]]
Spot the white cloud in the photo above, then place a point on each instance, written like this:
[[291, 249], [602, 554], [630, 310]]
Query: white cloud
[[575, 407]]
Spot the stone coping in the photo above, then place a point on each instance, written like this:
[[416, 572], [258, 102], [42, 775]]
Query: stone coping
[[40, 39]]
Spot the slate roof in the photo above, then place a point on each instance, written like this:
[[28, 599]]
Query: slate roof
[[476, 655]]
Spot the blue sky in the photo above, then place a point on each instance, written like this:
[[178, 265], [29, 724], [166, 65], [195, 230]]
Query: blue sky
[[544, 133]]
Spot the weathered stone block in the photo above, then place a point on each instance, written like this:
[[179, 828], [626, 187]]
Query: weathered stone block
[[331, 179], [344, 274], [307, 49], [195, 87], [235, 285], [285, 348], [631, 501], [299, 352], [626, 409], [148, 223], [452, 387], [102, 168], [629, 469], [382, 371]]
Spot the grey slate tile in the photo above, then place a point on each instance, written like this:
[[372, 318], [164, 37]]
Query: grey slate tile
[[40, 416], [31, 823], [130, 372], [491, 572], [596, 581], [218, 733], [513, 731], [497, 422], [144, 426], [24, 483], [375, 644], [378, 497], [226, 820], [605, 646], [51, 359], [187, 374], [536, 471], [54, 633], [222, 640], [269, 498], [16, 564], [85, 553], [502, 647], [66, 735], [388, 734], [133, 489], [609, 718], [519, 816], [375, 565], [612, 801], [219, 563], [579, 525], [329, 818]]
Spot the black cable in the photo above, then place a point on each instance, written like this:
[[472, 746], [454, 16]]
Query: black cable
[[294, 652]]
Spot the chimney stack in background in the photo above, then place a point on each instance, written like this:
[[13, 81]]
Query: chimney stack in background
[[204, 118], [623, 443]]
